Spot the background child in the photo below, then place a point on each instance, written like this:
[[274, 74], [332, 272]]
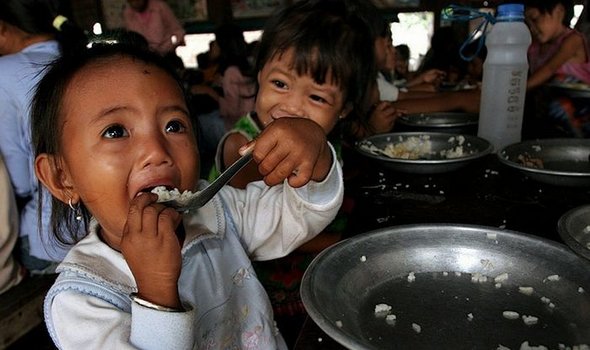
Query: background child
[[156, 22], [11, 273], [558, 54], [28, 41], [110, 124], [314, 62]]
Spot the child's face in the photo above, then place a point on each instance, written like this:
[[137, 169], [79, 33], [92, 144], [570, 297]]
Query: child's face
[[545, 26], [126, 129], [284, 93], [382, 52]]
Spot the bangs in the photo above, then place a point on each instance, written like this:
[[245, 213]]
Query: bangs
[[322, 54]]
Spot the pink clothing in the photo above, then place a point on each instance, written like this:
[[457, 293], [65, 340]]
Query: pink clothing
[[577, 71], [238, 96], [157, 24]]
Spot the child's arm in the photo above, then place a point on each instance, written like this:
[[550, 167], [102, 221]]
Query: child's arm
[[465, 100], [105, 326], [295, 149], [572, 48], [275, 220]]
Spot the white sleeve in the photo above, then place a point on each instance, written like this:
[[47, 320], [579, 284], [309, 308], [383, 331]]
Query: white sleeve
[[273, 221], [80, 321], [387, 91]]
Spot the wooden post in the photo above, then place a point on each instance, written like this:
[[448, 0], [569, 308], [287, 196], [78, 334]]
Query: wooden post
[[219, 11]]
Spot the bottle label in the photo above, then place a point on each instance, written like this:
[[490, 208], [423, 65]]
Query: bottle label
[[514, 105]]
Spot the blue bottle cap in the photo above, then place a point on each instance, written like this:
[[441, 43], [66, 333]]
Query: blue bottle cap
[[510, 12]]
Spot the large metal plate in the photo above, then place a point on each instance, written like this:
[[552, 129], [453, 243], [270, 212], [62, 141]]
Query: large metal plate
[[473, 148], [454, 297], [565, 161], [575, 90], [574, 229], [448, 122]]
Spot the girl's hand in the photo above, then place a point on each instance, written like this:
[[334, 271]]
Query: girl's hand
[[432, 76], [292, 148], [383, 117], [152, 249]]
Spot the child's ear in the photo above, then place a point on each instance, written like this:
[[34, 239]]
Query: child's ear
[[54, 178], [346, 110]]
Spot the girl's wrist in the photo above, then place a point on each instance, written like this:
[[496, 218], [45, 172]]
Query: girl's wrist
[[146, 303]]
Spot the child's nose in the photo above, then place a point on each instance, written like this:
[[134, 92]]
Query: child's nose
[[154, 151], [294, 107]]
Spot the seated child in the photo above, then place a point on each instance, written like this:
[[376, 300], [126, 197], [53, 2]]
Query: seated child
[[558, 54], [109, 125], [312, 63], [11, 273]]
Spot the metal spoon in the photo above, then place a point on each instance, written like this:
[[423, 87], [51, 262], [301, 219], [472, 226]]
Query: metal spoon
[[200, 198]]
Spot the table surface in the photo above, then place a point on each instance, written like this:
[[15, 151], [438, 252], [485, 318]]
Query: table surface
[[485, 192]]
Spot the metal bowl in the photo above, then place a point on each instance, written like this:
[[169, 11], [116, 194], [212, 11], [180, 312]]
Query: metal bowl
[[450, 122], [574, 229], [565, 162], [473, 148], [575, 90], [449, 287]]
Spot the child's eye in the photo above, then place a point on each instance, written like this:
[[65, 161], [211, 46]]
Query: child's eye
[[279, 84], [318, 99], [115, 132], [175, 126]]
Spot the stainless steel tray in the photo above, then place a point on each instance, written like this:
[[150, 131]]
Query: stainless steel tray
[[574, 229], [565, 161], [454, 298], [473, 148], [575, 90], [447, 122]]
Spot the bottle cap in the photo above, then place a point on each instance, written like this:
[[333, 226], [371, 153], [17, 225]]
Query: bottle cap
[[508, 12]]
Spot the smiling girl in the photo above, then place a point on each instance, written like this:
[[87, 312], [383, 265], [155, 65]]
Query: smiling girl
[[315, 62], [109, 125]]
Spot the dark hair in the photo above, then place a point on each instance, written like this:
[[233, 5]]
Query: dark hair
[[38, 16], [372, 17], [546, 6], [326, 38], [46, 115], [404, 51]]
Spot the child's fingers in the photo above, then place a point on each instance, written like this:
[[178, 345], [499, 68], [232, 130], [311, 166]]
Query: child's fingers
[[136, 207], [249, 147], [301, 175]]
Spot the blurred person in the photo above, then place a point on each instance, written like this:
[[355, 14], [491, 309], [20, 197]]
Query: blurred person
[[443, 54], [426, 81], [402, 62], [388, 102], [558, 55], [11, 272], [235, 75], [157, 23], [33, 33]]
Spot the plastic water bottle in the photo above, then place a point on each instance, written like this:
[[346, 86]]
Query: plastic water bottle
[[504, 80]]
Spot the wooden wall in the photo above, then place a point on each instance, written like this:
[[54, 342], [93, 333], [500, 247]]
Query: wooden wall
[[107, 12], [88, 12]]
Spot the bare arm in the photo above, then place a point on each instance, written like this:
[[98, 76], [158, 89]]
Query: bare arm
[[466, 101], [572, 49]]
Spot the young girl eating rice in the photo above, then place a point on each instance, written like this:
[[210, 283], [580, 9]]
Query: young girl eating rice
[[109, 125]]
